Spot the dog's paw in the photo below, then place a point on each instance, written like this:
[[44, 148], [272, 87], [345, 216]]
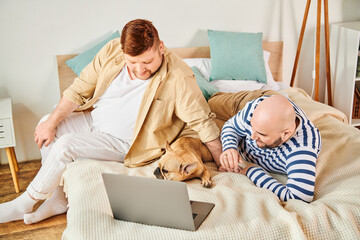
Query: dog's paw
[[206, 183]]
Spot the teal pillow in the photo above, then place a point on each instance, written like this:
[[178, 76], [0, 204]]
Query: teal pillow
[[78, 63], [236, 56], [206, 88]]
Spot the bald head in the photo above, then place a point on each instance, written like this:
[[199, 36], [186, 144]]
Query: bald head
[[274, 117], [275, 112]]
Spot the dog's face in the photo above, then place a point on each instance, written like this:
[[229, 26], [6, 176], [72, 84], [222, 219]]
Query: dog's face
[[176, 165]]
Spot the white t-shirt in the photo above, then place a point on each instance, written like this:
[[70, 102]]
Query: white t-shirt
[[116, 110]]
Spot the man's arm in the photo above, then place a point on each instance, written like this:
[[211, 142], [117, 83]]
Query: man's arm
[[215, 149], [223, 162], [301, 177], [231, 134], [82, 88], [45, 131]]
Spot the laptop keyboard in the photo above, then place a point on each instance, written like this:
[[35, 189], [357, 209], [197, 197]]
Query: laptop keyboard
[[193, 214]]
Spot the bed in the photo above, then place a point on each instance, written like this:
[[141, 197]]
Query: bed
[[242, 210]]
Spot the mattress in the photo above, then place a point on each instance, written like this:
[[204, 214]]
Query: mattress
[[242, 210]]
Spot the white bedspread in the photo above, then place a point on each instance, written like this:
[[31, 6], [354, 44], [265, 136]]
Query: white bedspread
[[242, 210]]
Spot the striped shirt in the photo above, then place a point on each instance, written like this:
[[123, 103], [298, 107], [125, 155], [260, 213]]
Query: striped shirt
[[296, 157]]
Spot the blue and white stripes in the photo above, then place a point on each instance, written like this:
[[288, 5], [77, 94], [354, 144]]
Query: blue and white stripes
[[296, 157]]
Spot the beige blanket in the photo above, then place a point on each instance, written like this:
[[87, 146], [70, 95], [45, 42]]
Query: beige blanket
[[242, 210]]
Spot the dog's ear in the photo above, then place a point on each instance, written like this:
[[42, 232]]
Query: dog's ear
[[167, 147], [188, 168]]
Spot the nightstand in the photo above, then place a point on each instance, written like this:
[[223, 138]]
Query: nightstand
[[7, 138]]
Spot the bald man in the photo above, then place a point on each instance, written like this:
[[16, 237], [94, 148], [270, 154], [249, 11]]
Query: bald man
[[275, 134]]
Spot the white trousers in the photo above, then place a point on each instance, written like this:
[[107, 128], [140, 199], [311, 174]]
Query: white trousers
[[75, 139]]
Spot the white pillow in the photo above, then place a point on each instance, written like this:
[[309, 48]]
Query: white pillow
[[269, 76], [234, 86], [204, 66]]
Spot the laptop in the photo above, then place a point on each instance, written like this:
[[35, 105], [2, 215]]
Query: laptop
[[154, 202]]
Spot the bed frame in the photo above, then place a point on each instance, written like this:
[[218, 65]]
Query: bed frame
[[67, 76]]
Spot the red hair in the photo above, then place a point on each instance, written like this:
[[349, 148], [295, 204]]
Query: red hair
[[138, 36]]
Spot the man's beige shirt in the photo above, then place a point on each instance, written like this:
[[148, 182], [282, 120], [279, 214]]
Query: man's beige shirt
[[171, 102]]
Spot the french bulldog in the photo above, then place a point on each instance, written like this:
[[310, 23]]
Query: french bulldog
[[183, 160]]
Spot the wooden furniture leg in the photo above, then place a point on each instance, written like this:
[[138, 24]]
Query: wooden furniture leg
[[300, 42], [13, 166], [327, 51], [317, 51], [13, 155]]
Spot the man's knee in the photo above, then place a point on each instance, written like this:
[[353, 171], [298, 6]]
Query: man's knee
[[65, 142], [62, 150], [44, 118]]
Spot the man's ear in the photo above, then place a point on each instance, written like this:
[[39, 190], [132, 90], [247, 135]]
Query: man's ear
[[161, 47], [188, 168], [286, 135], [167, 147]]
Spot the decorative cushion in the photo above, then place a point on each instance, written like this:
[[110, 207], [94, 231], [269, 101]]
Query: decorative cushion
[[202, 64], [78, 63], [206, 88], [236, 56]]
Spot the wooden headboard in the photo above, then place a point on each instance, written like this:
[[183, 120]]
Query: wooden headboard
[[67, 76]]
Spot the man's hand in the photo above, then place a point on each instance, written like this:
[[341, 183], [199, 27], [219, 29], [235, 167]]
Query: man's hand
[[229, 160], [44, 133]]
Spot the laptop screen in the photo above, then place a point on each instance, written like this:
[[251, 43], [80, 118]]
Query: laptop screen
[[149, 201]]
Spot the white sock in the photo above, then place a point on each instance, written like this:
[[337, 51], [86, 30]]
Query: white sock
[[56, 204], [15, 209]]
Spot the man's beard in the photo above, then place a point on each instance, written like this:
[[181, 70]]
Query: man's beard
[[275, 144], [138, 76], [151, 73]]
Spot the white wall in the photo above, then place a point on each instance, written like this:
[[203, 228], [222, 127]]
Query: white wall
[[34, 31]]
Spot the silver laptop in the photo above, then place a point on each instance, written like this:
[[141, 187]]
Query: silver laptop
[[154, 202]]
